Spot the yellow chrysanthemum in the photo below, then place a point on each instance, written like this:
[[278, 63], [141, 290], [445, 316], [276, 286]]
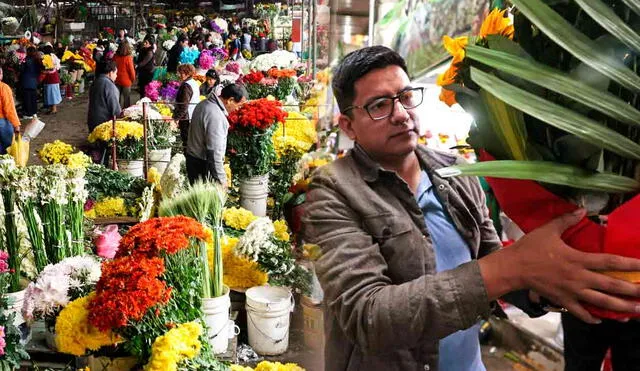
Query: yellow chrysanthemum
[[281, 230], [110, 207], [227, 171], [77, 160], [298, 126], [74, 334], [277, 366], [497, 24], [240, 368], [124, 129], [54, 153], [91, 214], [238, 218], [153, 176], [289, 145], [47, 62], [179, 343], [238, 272]]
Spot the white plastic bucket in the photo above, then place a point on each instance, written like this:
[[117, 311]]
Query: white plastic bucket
[[253, 194], [268, 310], [132, 167], [16, 300], [159, 158], [216, 316]]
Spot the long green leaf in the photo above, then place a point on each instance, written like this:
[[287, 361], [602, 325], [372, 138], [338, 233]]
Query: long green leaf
[[546, 172], [508, 124], [557, 115], [633, 5], [578, 44], [557, 81], [609, 20]]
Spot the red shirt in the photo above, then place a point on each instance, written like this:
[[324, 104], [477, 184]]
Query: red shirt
[[126, 70]]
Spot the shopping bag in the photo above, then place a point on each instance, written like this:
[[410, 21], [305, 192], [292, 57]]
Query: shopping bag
[[19, 150], [33, 129]]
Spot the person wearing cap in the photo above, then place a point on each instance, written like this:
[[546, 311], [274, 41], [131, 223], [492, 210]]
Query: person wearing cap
[[210, 84]]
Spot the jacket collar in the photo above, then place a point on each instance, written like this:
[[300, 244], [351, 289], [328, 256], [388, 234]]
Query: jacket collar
[[429, 159]]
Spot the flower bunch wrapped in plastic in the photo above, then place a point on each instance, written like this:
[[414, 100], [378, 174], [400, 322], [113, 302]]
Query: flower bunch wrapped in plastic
[[59, 284], [173, 180], [170, 91], [206, 60], [47, 62], [152, 90], [279, 59], [189, 55], [75, 335], [169, 350], [233, 67], [269, 366]]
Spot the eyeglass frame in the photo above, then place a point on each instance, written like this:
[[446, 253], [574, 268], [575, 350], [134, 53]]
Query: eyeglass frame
[[393, 105]]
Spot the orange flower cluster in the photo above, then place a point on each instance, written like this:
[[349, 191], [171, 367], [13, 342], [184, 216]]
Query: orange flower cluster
[[281, 74], [158, 235], [495, 24], [128, 287]]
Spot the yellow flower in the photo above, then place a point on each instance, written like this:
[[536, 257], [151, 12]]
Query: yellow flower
[[298, 126], [227, 171], [179, 343], [455, 47], [74, 334], [240, 368], [238, 218], [109, 207], [77, 160], [316, 163], [54, 153], [153, 176], [202, 97], [281, 229], [91, 214], [277, 366], [497, 24], [47, 62], [124, 129], [238, 272], [289, 145]]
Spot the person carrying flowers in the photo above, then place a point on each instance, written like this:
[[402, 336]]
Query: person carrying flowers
[[51, 81], [410, 260]]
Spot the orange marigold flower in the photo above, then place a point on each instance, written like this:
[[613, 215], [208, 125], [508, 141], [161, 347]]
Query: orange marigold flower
[[455, 47], [497, 24], [448, 96]]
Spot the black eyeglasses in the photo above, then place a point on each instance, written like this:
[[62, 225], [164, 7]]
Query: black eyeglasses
[[382, 108]]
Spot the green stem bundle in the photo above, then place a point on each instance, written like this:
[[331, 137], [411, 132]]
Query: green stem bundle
[[35, 234], [75, 214], [55, 236], [12, 239]]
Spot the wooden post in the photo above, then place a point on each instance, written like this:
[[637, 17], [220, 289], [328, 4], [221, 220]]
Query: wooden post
[[114, 165], [145, 167]]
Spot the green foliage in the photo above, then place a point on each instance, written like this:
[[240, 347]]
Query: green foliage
[[103, 182], [284, 88], [14, 351], [280, 180], [250, 152]]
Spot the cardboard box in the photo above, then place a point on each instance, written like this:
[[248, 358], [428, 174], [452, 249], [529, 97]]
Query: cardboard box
[[313, 325]]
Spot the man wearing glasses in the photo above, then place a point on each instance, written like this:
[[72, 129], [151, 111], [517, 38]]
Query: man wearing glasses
[[410, 261]]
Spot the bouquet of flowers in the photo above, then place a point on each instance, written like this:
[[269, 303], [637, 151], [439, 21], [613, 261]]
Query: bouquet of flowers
[[556, 107], [280, 59], [170, 91], [161, 133], [152, 90], [112, 193], [189, 55], [128, 135], [250, 143], [206, 60], [286, 82], [168, 44], [233, 67], [258, 86], [58, 285], [59, 152]]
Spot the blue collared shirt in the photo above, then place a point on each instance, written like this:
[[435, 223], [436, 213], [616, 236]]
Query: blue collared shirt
[[459, 351]]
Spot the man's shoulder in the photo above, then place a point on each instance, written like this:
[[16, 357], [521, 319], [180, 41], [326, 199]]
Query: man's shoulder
[[438, 158]]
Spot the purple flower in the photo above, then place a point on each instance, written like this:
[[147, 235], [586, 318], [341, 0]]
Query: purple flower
[[215, 27], [219, 53], [169, 92]]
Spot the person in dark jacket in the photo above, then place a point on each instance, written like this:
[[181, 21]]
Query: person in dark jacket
[[210, 84], [174, 54], [146, 64], [29, 76], [104, 97]]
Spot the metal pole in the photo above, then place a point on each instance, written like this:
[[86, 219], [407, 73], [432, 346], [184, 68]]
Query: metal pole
[[372, 21], [145, 168], [302, 27], [315, 38], [309, 34]]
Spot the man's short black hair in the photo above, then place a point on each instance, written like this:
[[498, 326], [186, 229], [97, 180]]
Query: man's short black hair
[[235, 91], [357, 64], [105, 66]]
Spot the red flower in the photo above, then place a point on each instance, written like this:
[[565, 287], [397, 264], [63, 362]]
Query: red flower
[[260, 114], [157, 235], [254, 77], [127, 289]]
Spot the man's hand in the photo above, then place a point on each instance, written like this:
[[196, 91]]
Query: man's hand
[[541, 261]]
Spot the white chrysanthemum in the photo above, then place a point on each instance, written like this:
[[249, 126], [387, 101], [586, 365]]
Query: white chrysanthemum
[[256, 238], [173, 181]]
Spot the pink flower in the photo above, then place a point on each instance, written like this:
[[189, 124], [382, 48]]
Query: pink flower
[[4, 265], [267, 81], [107, 242], [3, 344]]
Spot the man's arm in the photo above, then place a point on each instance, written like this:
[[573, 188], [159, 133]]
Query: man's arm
[[372, 311]]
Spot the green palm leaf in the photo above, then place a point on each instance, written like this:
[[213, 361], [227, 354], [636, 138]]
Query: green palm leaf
[[546, 172], [557, 81], [578, 44], [508, 124], [561, 117], [608, 19]]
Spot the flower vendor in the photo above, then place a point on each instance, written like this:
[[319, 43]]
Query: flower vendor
[[186, 99], [29, 75], [104, 103], [52, 96], [411, 261], [207, 142], [146, 63], [8, 116], [211, 83], [174, 53]]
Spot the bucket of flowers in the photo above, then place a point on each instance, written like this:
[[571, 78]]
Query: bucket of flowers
[[250, 150], [127, 137]]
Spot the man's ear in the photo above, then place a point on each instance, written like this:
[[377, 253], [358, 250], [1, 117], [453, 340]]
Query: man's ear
[[346, 125]]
